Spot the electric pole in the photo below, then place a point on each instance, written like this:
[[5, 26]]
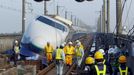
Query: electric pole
[[108, 16], [65, 14], [100, 22], [118, 17], [75, 21], [45, 7], [23, 16], [71, 17], [57, 10], [104, 17]]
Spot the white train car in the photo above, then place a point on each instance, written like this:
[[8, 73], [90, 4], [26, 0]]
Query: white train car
[[44, 29]]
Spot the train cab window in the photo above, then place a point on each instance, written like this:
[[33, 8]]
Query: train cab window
[[61, 27], [51, 23], [65, 29], [46, 21]]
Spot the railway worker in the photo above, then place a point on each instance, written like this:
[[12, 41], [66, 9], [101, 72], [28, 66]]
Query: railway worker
[[60, 59], [64, 44], [103, 52], [111, 51], [16, 51], [79, 52], [123, 50], [69, 51], [123, 69], [89, 63], [48, 52], [112, 57], [100, 68], [16, 47], [81, 45]]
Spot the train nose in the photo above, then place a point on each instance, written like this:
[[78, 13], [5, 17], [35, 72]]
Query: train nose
[[39, 42]]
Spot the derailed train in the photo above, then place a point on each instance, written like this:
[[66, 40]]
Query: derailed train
[[44, 29]]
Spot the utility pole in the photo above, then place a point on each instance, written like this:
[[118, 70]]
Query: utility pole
[[57, 10], [71, 17], [104, 17], [23, 16], [45, 7], [100, 22], [65, 14], [108, 16], [118, 17], [75, 21]]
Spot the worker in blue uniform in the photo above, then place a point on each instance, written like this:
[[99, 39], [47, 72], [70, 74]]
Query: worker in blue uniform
[[123, 50], [100, 68], [113, 57], [89, 63], [123, 69]]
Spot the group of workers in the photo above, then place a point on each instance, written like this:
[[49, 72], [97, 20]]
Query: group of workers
[[65, 54], [115, 64]]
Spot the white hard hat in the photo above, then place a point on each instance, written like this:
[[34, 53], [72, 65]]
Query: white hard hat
[[70, 43], [77, 41], [63, 45], [78, 44], [16, 41], [102, 51]]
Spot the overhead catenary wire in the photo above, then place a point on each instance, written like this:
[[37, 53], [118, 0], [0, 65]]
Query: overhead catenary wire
[[130, 30], [132, 33], [128, 11]]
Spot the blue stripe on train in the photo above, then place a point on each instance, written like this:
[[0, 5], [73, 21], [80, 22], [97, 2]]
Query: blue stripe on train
[[29, 49]]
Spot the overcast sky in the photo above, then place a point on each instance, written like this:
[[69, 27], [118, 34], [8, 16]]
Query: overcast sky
[[10, 12]]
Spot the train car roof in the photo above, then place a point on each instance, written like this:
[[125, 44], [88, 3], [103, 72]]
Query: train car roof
[[52, 23]]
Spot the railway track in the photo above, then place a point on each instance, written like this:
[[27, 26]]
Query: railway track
[[51, 69]]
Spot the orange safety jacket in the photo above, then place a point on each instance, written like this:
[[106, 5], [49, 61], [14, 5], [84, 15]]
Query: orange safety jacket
[[69, 50], [49, 49]]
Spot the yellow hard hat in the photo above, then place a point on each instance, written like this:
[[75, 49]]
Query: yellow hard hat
[[122, 59], [98, 55], [89, 60]]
